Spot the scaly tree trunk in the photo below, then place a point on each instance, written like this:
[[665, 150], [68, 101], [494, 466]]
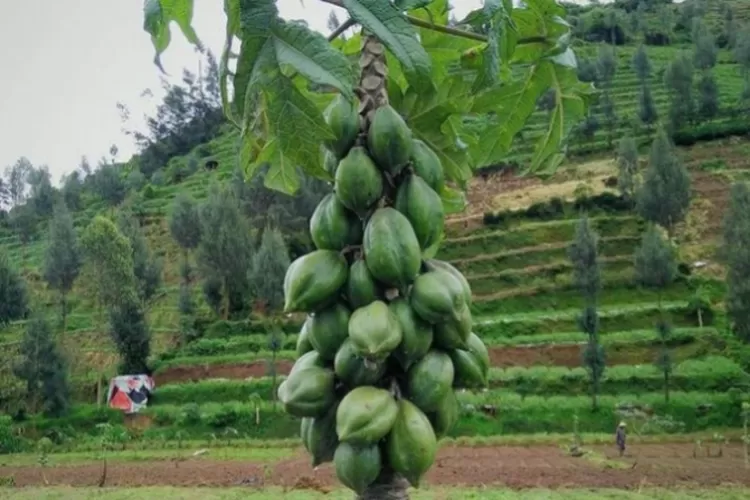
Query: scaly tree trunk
[[373, 93]]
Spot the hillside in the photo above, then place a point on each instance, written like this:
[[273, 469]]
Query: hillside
[[511, 243]]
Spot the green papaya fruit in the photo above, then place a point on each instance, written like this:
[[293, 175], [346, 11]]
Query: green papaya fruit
[[453, 333], [389, 140], [303, 340], [434, 264], [479, 350], [314, 280], [365, 415], [427, 165], [445, 416], [342, 116], [417, 334], [374, 331], [328, 329], [358, 182], [361, 287], [468, 371], [307, 360], [353, 369], [391, 248], [319, 436], [333, 226], [411, 446], [430, 379], [423, 208], [437, 296], [357, 467], [308, 392], [330, 162]]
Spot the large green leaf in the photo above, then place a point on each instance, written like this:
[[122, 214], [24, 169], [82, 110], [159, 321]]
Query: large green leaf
[[296, 129], [157, 14], [311, 55], [514, 103], [412, 4], [385, 21], [569, 109]]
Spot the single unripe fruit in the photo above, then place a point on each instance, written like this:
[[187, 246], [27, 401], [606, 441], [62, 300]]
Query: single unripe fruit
[[424, 209], [328, 329], [314, 280], [319, 436], [357, 466], [358, 182], [389, 140], [303, 342], [434, 264], [374, 331], [307, 392], [427, 165], [353, 369], [307, 360], [361, 287], [430, 379], [412, 444], [417, 333], [391, 248], [342, 116], [333, 226], [445, 416], [437, 296], [365, 415]]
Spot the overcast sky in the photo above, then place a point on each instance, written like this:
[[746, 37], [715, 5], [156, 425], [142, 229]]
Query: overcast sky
[[67, 63]]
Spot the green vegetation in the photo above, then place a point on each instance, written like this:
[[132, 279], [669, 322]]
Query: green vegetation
[[174, 263]]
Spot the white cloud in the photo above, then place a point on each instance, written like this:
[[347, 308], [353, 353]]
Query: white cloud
[[66, 64]]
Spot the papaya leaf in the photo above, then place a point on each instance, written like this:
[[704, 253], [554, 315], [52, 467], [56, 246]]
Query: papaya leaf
[[411, 4], [570, 107], [436, 119], [282, 174], [454, 200], [296, 127], [311, 55], [157, 14], [513, 103], [501, 42], [385, 21]]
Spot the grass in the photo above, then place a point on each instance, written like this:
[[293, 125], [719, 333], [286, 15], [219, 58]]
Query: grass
[[266, 455], [485, 493]]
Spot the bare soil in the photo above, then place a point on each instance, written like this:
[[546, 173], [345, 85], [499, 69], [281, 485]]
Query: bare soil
[[666, 465], [194, 373]]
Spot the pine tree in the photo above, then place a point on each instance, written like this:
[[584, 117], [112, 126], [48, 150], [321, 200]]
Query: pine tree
[[225, 251], [664, 196], [647, 112], [14, 296], [678, 80], [270, 263], [627, 167], [131, 335], [736, 254], [147, 268], [63, 259], [43, 369], [656, 267], [185, 224], [583, 254]]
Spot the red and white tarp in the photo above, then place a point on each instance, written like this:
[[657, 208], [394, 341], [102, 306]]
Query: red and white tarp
[[130, 393]]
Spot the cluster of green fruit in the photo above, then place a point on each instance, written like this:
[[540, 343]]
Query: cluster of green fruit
[[388, 335]]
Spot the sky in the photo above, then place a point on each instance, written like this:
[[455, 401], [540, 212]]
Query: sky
[[66, 65]]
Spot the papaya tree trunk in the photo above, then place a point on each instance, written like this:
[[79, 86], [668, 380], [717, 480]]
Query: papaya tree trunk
[[373, 93]]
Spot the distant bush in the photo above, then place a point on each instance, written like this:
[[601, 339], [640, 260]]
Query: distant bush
[[556, 208]]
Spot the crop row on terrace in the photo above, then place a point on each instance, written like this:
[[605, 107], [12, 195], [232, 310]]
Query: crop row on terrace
[[511, 414]]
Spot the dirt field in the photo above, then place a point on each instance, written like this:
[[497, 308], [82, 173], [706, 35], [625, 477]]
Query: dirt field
[[515, 467]]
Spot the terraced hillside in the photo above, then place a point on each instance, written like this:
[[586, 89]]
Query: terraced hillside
[[525, 309]]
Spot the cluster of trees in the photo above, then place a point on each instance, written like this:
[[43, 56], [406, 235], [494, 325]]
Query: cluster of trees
[[662, 197], [241, 239], [688, 78]]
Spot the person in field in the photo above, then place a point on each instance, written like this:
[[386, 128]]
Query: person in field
[[620, 438]]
